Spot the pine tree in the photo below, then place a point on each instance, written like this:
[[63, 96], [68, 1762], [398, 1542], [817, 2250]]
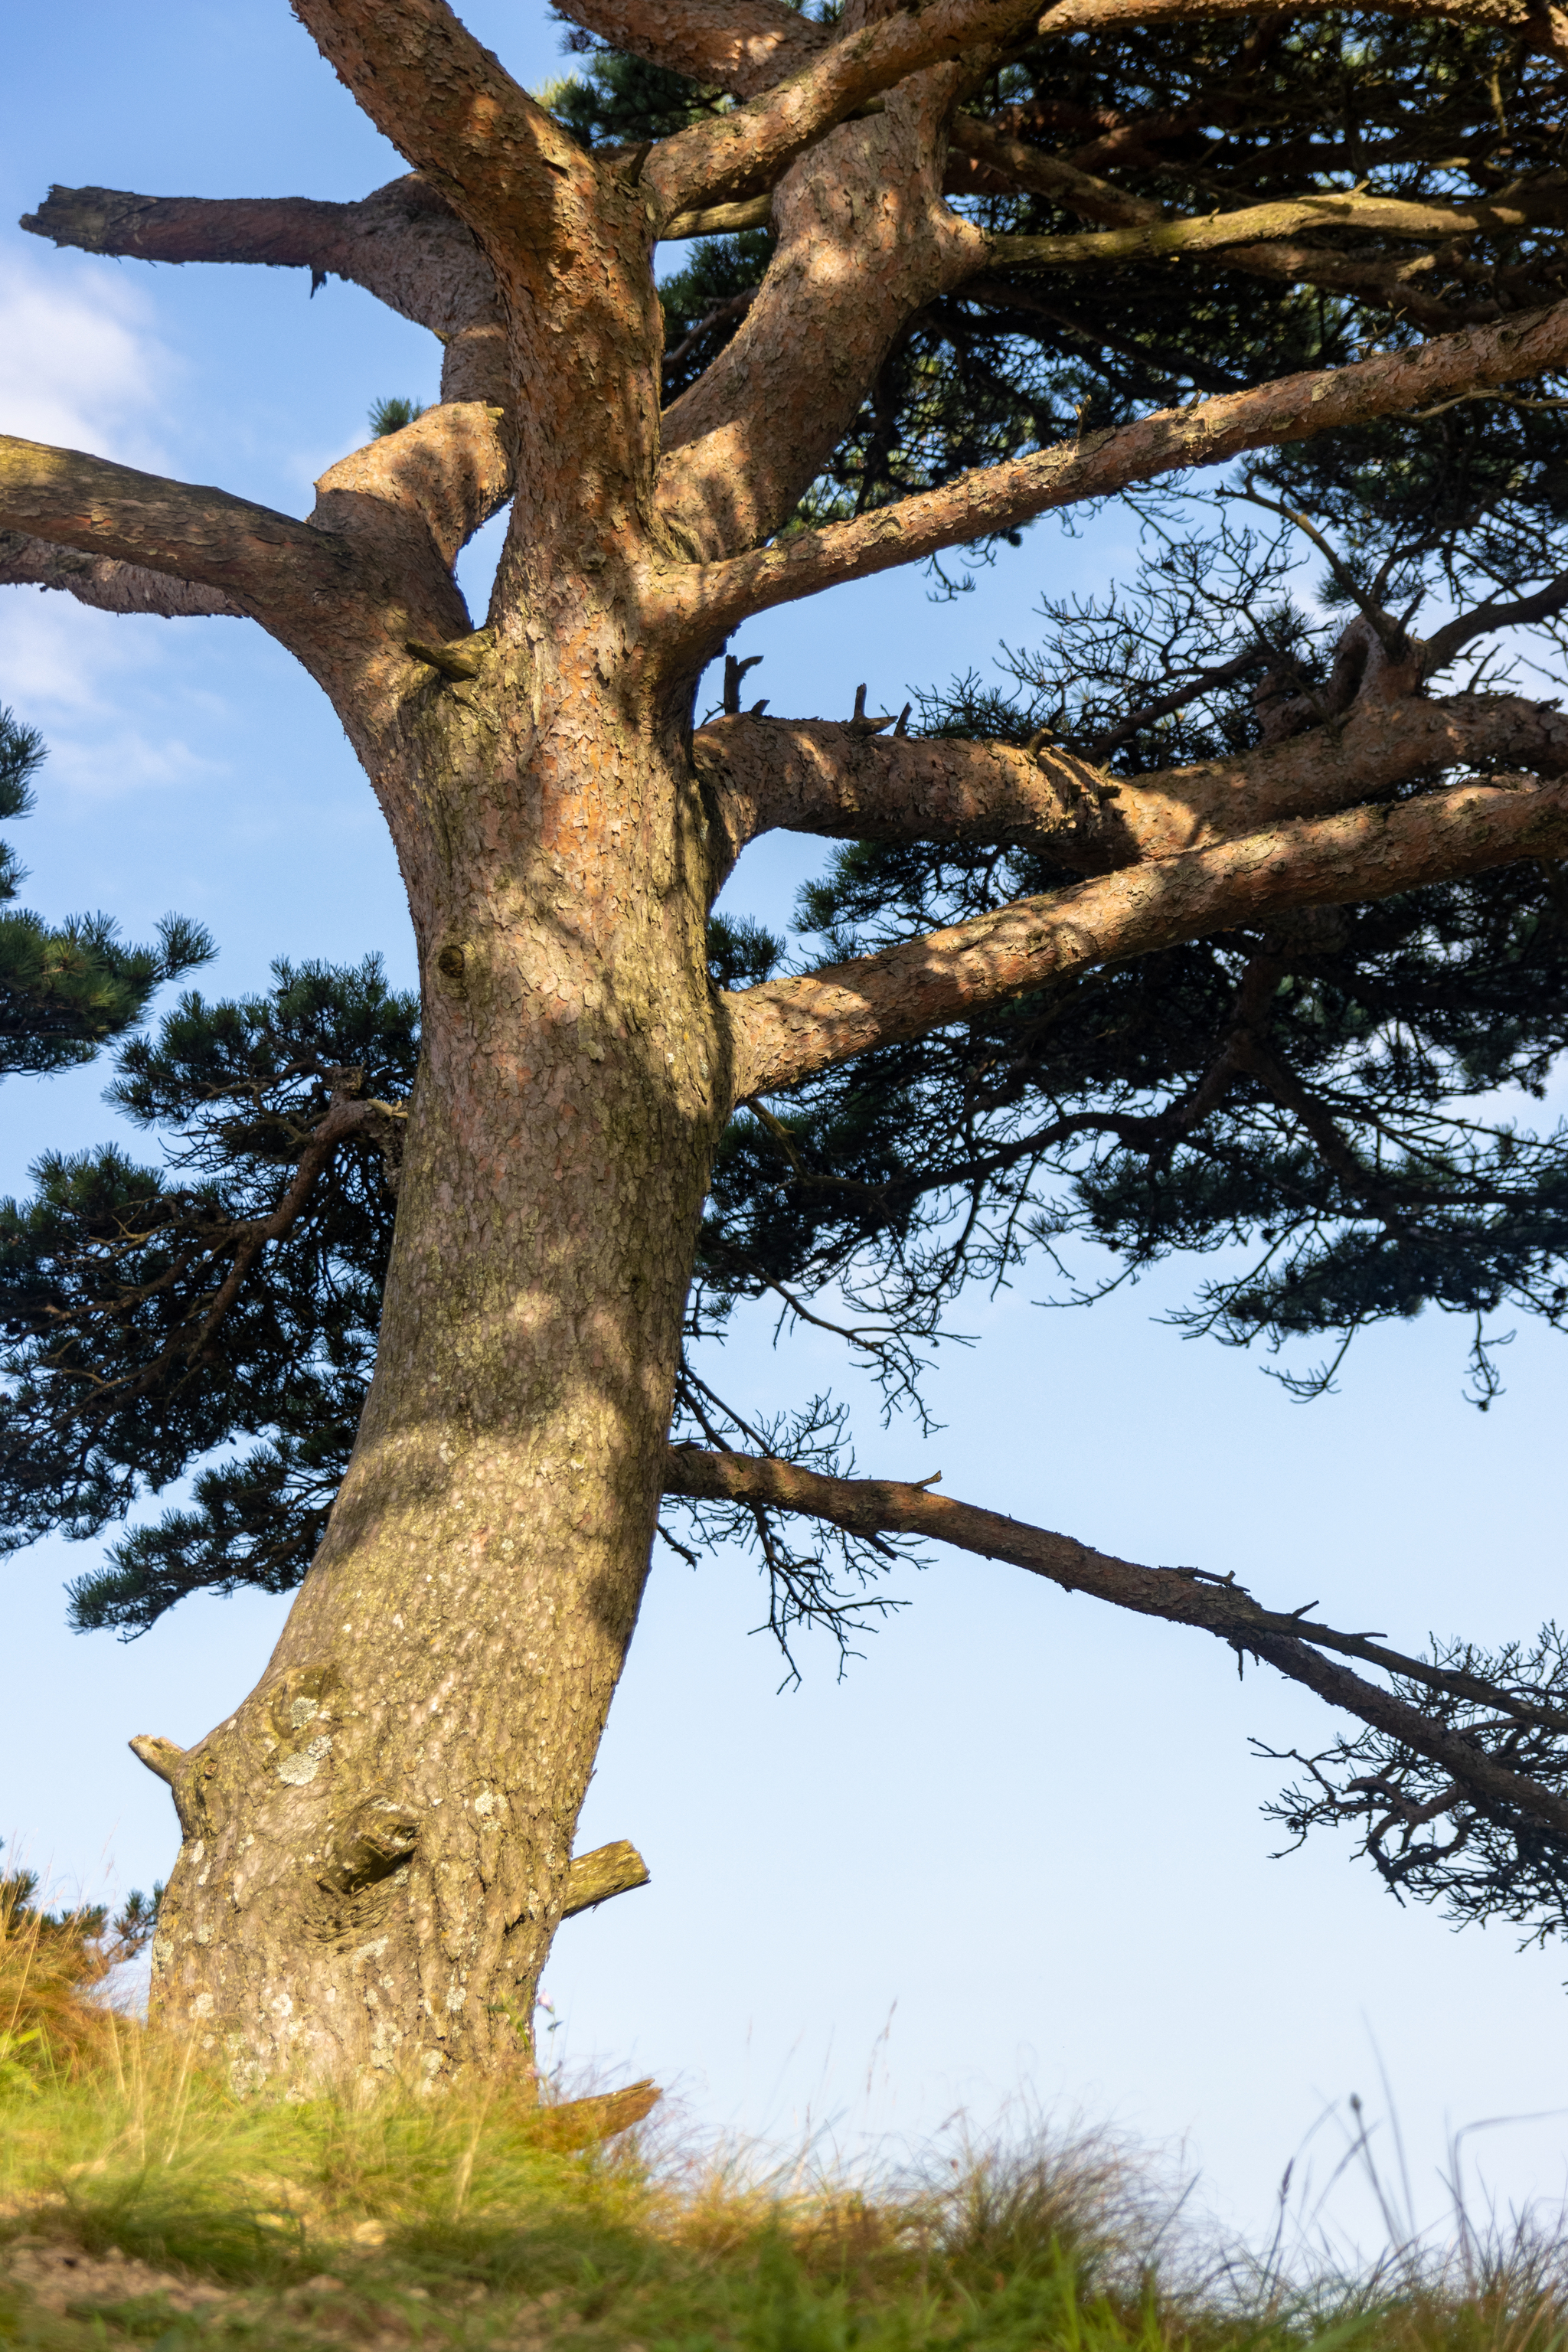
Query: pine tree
[[1225, 917]]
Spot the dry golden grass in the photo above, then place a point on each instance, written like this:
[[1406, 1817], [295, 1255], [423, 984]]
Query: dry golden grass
[[141, 2203]]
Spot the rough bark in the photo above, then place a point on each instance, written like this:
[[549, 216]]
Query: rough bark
[[106, 583], [818, 775], [378, 1843], [784, 1030]]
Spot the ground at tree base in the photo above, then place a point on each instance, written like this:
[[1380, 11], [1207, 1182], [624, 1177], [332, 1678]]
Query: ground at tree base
[[142, 2204]]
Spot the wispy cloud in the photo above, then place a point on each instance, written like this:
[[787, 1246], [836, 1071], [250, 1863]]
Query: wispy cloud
[[82, 364]]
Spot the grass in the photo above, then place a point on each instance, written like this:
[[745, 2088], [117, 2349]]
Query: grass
[[142, 2204]]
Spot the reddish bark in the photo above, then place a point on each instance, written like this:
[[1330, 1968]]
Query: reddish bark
[[379, 1841], [784, 1030]]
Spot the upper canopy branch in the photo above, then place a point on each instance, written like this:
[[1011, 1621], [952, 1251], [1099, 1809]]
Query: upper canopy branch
[[452, 106], [870, 1507], [739, 46], [1067, 17], [815, 776], [1155, 239], [782, 1031], [712, 599], [757, 141]]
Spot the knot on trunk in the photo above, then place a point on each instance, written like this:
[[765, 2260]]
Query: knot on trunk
[[361, 1856]]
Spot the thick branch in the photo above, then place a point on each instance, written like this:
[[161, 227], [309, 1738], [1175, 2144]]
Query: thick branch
[[739, 46], [784, 1030], [999, 498], [864, 241], [107, 585], [758, 142], [435, 481], [815, 776], [403, 244], [262, 559], [879, 1506]]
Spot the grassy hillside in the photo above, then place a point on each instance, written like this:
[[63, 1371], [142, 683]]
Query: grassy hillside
[[141, 2205]]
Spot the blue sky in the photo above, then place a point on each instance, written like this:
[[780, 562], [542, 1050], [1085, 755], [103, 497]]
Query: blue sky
[[1014, 1857]]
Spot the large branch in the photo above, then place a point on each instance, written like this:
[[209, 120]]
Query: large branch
[[785, 1031], [823, 776], [259, 559], [403, 244], [712, 599], [753, 145], [864, 241], [868, 1507], [744, 46], [107, 585]]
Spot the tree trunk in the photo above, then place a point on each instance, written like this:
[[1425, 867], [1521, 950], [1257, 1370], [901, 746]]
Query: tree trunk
[[376, 1844]]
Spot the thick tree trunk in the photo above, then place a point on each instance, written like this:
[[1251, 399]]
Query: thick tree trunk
[[376, 1844]]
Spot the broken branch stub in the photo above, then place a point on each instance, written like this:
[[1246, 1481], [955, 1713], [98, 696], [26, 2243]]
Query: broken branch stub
[[608, 1870]]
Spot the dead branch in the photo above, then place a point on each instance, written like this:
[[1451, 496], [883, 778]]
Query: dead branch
[[403, 243]]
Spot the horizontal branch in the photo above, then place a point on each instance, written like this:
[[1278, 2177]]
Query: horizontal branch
[[107, 585], [1163, 240], [867, 1507], [785, 1031], [713, 598], [258, 557], [403, 244], [814, 775]]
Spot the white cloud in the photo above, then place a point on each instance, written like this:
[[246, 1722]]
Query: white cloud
[[80, 364]]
